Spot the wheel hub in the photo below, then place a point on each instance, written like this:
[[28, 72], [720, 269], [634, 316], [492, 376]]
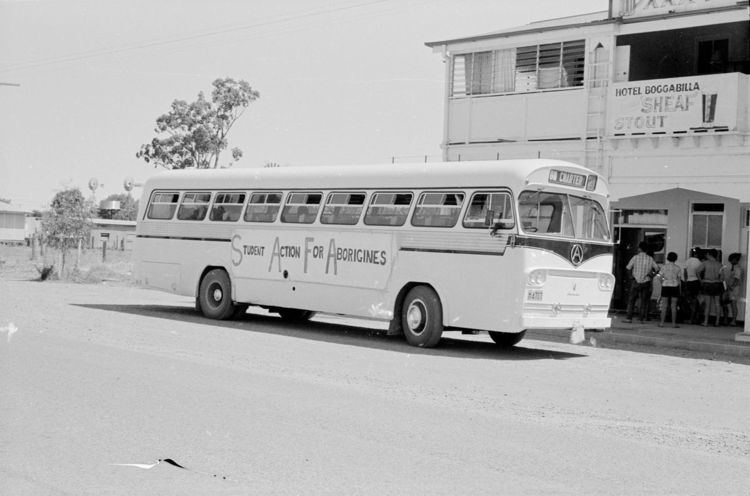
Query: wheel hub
[[415, 316]]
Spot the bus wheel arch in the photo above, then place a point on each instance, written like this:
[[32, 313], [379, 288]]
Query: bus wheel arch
[[420, 313], [215, 294], [395, 327]]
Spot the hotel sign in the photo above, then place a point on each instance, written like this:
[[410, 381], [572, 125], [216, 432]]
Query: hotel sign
[[677, 105], [640, 8]]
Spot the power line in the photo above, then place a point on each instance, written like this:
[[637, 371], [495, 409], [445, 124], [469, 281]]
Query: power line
[[173, 41], [292, 29]]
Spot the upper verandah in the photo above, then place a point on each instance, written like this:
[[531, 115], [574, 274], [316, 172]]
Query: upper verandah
[[615, 15], [536, 26]]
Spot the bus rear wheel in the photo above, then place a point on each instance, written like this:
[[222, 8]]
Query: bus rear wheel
[[215, 295], [507, 339], [422, 317], [295, 315]]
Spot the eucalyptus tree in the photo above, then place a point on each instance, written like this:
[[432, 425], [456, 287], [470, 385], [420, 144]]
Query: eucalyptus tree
[[194, 134]]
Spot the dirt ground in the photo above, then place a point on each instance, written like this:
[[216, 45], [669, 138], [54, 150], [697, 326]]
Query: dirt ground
[[100, 384], [16, 264]]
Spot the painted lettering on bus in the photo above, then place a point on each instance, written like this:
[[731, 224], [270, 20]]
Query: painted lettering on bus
[[309, 252], [236, 251], [353, 255], [280, 251], [239, 250]]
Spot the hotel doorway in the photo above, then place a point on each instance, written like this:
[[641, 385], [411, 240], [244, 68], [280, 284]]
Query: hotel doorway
[[630, 237]]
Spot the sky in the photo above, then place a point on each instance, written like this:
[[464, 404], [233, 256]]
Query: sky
[[340, 81]]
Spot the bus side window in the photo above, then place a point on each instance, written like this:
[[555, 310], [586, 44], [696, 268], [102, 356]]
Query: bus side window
[[343, 208], [163, 205], [227, 207], [194, 206], [263, 207], [487, 208], [388, 209], [301, 207], [437, 209]]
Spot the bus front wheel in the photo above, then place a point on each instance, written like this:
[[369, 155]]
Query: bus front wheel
[[216, 295], [422, 317], [507, 339]]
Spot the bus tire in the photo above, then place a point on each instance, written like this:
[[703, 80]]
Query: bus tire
[[422, 317], [215, 295], [507, 339], [295, 315]]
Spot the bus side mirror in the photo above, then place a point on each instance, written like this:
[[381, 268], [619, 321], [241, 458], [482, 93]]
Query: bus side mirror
[[502, 224], [497, 223]]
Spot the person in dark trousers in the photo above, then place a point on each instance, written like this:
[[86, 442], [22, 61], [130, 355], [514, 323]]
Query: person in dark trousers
[[671, 280], [642, 268], [693, 283], [712, 285], [733, 281]]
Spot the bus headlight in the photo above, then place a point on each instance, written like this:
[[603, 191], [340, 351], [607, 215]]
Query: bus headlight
[[537, 277], [606, 282]]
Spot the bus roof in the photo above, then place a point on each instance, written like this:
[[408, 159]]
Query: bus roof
[[396, 176]]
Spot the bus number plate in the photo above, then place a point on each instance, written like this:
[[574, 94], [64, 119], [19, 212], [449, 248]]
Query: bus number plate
[[534, 295]]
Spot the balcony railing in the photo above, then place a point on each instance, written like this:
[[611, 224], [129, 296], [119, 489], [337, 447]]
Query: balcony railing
[[688, 105], [517, 117]]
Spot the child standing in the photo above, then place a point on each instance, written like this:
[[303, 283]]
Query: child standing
[[671, 280]]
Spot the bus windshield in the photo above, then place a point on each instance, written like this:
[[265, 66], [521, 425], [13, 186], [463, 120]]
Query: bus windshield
[[561, 214]]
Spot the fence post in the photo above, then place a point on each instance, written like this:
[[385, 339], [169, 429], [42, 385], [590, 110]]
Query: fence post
[[33, 246], [104, 251]]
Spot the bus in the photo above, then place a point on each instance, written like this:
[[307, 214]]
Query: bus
[[496, 246]]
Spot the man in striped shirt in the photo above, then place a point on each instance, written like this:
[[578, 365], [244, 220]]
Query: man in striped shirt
[[641, 267]]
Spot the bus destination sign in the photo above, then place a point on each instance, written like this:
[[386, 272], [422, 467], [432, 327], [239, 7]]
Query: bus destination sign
[[567, 178]]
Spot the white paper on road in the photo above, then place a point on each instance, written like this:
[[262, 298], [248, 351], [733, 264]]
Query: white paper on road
[[577, 336], [10, 329]]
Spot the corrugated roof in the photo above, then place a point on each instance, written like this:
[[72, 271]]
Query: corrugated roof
[[548, 24], [112, 222], [13, 209]]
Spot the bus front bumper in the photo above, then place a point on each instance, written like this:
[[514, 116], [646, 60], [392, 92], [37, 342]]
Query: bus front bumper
[[539, 322]]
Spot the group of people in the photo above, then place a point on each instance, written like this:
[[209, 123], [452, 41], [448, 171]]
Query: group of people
[[705, 286]]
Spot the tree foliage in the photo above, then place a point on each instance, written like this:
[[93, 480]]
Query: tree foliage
[[194, 134], [67, 222], [128, 207]]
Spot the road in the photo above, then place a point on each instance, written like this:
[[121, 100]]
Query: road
[[100, 382]]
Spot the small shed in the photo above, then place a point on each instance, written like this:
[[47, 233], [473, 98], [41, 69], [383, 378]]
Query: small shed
[[12, 223], [118, 234]]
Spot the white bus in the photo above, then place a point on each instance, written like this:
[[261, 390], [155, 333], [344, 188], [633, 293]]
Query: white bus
[[499, 246]]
